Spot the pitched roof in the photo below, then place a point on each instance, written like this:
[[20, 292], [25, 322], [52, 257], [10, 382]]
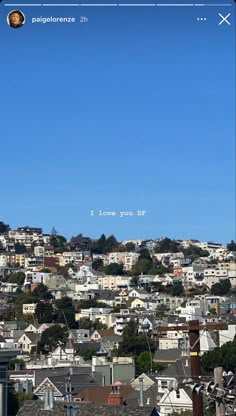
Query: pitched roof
[[177, 369], [167, 356], [100, 394], [35, 407]]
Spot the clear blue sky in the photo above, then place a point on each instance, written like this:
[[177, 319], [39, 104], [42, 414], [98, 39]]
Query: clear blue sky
[[131, 111]]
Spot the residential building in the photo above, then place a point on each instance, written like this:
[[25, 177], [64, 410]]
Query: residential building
[[29, 308]]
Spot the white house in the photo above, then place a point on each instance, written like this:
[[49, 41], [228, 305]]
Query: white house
[[29, 308], [175, 401]]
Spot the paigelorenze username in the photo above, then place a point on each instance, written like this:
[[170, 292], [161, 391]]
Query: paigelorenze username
[[52, 19]]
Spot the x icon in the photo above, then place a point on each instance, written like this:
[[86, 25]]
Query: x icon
[[224, 19]]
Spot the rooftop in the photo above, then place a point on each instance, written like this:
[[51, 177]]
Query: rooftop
[[85, 409]]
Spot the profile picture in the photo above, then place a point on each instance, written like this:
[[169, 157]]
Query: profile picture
[[15, 19]]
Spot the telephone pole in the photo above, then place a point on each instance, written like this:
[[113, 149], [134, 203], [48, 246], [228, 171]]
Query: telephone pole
[[193, 328]]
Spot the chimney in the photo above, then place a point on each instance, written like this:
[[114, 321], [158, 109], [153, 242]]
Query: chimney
[[71, 410], [51, 398], [46, 400], [141, 391], [115, 397]]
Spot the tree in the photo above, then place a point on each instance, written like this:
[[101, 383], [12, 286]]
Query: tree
[[161, 270], [177, 289], [129, 247], [4, 228], [54, 231], [144, 254], [132, 343], [65, 312], [224, 356], [166, 245], [16, 361], [51, 338], [85, 323], [114, 269], [58, 241], [97, 265], [41, 292], [87, 353], [141, 266], [222, 288], [20, 248], [144, 364], [44, 312], [230, 246], [104, 245], [194, 252], [18, 277]]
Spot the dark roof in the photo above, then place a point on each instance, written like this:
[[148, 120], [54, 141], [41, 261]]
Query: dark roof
[[174, 319], [167, 356], [178, 369], [78, 381], [149, 397], [41, 374], [85, 409]]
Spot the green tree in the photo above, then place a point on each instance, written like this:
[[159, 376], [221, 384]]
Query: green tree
[[224, 356], [97, 265], [161, 270], [230, 246], [20, 248], [177, 289], [18, 277], [4, 228], [14, 362], [44, 312], [132, 343], [194, 252], [85, 323], [166, 245], [144, 254], [114, 269], [41, 292], [144, 363], [87, 353], [58, 241], [65, 311], [141, 266], [129, 247], [222, 288], [51, 338]]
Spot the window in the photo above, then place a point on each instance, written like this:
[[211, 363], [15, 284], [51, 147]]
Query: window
[[164, 384], [177, 395]]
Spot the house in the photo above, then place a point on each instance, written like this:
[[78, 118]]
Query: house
[[116, 369], [70, 382], [28, 341], [137, 303], [29, 308], [35, 407], [175, 401], [148, 380], [101, 394], [107, 337], [32, 328], [45, 326], [139, 293]]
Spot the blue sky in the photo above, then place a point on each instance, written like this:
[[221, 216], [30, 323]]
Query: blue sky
[[132, 111]]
